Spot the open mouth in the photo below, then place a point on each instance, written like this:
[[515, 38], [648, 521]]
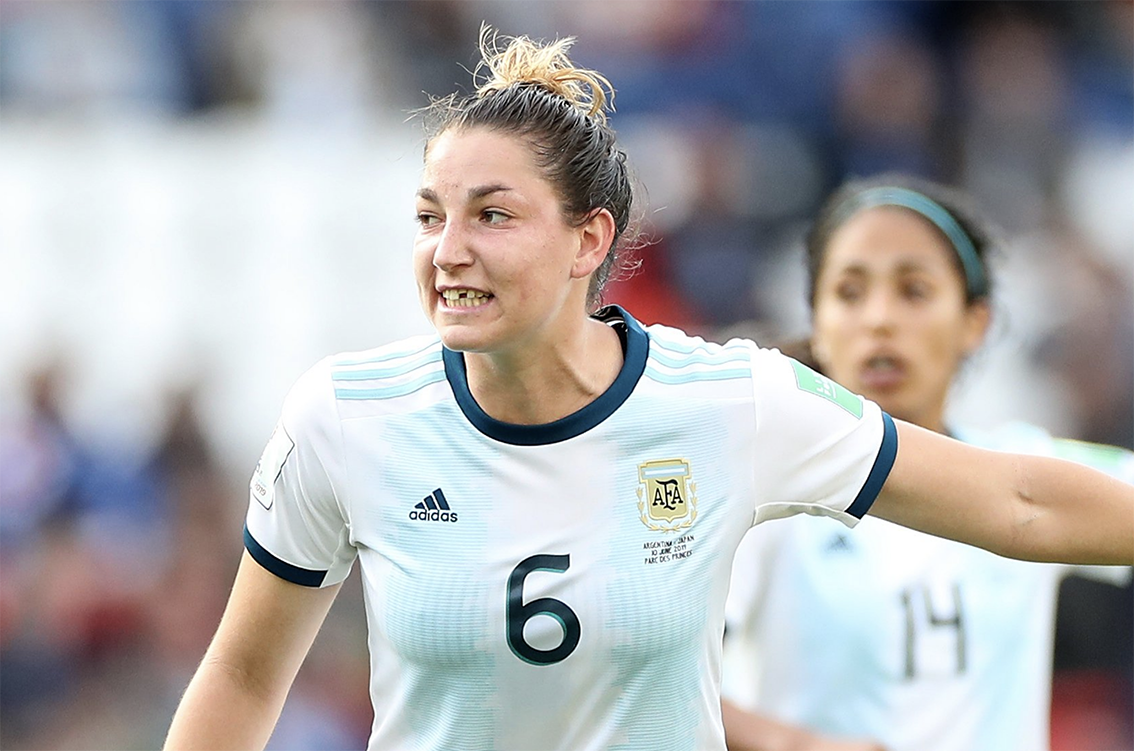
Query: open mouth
[[883, 364], [464, 298], [883, 371]]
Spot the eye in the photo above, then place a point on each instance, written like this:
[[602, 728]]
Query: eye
[[848, 291], [427, 219], [916, 289], [492, 216]]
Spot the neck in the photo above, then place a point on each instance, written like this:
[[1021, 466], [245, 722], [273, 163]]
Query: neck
[[542, 384], [930, 419]]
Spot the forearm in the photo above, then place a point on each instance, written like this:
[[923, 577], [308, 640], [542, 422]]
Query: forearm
[[221, 711], [236, 695]]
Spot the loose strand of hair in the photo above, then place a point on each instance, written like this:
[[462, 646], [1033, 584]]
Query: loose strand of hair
[[522, 60]]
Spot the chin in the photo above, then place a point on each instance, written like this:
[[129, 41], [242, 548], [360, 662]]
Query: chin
[[463, 338], [457, 341]]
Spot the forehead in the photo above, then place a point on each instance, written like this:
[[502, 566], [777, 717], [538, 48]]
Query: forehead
[[459, 158], [888, 238]]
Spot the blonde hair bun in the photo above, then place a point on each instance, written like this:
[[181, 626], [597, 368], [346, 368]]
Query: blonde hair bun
[[507, 61]]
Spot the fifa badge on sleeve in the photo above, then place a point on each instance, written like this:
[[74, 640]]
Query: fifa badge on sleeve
[[271, 463]]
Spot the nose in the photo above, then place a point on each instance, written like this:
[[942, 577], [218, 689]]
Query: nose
[[880, 311], [452, 249]]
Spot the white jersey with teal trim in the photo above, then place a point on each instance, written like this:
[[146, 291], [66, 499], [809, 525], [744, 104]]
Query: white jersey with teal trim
[[920, 643], [559, 586]]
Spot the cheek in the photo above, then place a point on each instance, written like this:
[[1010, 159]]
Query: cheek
[[831, 323], [944, 346], [424, 279], [422, 260], [536, 274]]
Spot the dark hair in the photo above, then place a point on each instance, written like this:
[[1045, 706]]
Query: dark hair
[[841, 205], [799, 349], [534, 91]]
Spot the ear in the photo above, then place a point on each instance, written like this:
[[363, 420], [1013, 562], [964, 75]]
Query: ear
[[978, 317], [595, 238]]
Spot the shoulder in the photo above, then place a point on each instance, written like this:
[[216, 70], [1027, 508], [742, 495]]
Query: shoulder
[[388, 371], [678, 357], [686, 366], [368, 374], [310, 394], [400, 355], [673, 348]]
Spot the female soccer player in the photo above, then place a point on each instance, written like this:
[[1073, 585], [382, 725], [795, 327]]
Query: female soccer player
[[885, 633], [545, 497]]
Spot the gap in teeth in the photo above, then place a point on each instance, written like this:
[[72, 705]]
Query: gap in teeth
[[464, 298]]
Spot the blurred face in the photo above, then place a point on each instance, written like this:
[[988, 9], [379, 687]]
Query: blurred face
[[496, 262], [890, 320]]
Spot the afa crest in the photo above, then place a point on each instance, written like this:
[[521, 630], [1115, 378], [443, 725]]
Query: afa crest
[[667, 499]]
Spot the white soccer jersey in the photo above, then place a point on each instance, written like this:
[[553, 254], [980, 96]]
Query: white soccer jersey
[[559, 586], [920, 643]]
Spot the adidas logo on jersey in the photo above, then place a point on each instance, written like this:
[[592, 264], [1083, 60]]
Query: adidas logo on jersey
[[433, 508]]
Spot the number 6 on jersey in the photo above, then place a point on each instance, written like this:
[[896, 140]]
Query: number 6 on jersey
[[518, 614]]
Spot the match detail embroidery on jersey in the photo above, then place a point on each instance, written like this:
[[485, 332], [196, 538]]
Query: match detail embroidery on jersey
[[433, 508], [667, 495]]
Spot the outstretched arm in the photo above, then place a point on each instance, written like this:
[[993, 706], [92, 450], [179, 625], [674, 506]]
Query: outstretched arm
[[1028, 507], [746, 731], [237, 693]]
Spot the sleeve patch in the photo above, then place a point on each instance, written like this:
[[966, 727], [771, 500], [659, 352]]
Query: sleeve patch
[[814, 383], [271, 463]]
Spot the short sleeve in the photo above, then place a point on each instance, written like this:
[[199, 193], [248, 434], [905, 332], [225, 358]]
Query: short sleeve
[[821, 449], [296, 526]]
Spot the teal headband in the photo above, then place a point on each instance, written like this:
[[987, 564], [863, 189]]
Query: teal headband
[[976, 283]]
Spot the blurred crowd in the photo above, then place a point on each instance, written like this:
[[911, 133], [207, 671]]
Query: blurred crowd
[[115, 565], [739, 117]]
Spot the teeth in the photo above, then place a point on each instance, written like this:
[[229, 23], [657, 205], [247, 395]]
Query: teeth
[[464, 298], [881, 363]]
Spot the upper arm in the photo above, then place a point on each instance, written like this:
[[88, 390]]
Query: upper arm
[[297, 550], [297, 522], [1029, 507], [268, 626]]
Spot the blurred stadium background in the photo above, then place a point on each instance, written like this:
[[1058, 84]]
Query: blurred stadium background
[[200, 198]]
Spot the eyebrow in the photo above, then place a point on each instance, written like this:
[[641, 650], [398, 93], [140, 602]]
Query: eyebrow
[[486, 190], [903, 267], [474, 194]]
